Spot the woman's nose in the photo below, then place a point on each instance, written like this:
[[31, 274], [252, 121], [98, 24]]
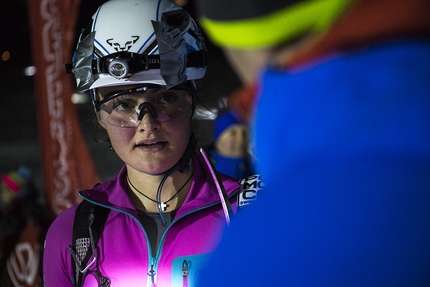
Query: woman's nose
[[148, 122]]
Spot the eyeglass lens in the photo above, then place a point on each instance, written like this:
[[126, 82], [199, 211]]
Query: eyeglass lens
[[126, 110]]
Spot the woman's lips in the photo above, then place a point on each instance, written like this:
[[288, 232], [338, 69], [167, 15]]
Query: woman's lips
[[151, 145]]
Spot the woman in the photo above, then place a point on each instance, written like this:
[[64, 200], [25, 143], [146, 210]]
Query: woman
[[138, 59]]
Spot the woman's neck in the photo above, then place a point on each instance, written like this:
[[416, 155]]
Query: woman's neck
[[142, 189]]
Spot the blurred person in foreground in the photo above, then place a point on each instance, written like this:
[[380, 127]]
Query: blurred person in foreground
[[341, 132]]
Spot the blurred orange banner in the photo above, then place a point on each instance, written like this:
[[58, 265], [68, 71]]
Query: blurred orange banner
[[66, 161]]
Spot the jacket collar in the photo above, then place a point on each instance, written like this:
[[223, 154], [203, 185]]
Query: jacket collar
[[203, 190]]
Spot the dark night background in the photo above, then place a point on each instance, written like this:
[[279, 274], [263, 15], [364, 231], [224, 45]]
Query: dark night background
[[19, 141]]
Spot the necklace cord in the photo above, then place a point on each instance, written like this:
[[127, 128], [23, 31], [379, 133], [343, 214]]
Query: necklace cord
[[158, 195], [158, 201]]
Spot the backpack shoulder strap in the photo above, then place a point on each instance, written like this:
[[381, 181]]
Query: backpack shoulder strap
[[88, 215]]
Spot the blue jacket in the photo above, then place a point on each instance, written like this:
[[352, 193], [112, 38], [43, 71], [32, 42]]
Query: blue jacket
[[344, 146]]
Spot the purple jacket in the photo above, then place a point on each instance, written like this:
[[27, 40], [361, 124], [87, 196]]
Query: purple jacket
[[123, 248]]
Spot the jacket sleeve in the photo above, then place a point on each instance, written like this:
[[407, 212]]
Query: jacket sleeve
[[57, 260]]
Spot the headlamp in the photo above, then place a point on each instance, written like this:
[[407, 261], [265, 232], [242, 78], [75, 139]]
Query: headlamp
[[118, 68]]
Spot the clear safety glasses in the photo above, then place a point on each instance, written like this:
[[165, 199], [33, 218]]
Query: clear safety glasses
[[126, 108]]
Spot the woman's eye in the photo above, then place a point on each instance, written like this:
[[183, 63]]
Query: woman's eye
[[167, 98], [123, 106]]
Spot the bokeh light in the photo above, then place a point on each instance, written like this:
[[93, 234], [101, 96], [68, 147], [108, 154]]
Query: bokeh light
[[79, 98], [5, 56], [30, 71]]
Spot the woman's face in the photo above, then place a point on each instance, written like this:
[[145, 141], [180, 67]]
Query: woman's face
[[142, 141]]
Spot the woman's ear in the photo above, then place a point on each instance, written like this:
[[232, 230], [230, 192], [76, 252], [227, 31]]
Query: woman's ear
[[101, 123], [100, 133], [95, 93]]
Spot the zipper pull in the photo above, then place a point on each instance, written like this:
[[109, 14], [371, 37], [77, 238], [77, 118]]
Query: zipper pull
[[185, 267], [152, 274]]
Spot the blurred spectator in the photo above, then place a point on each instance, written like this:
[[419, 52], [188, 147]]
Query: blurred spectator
[[23, 224], [342, 138], [230, 149]]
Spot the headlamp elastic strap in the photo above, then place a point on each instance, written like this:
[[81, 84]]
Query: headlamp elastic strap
[[140, 62], [133, 63]]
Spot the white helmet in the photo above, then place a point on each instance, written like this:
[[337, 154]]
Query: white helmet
[[138, 42]]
